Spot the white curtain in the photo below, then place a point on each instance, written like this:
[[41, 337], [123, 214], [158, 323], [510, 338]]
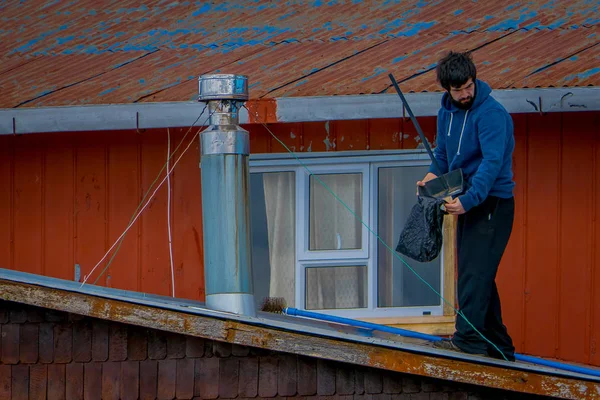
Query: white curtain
[[336, 287], [332, 226], [280, 198]]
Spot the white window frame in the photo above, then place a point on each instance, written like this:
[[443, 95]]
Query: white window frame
[[303, 218], [301, 267], [367, 162]]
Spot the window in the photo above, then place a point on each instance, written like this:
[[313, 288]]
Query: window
[[311, 248], [329, 225], [397, 286]]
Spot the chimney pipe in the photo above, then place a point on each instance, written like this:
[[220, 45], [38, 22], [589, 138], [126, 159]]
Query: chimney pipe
[[225, 148]]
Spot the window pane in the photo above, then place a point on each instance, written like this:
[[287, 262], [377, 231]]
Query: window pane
[[336, 287], [398, 286], [332, 226], [273, 230]]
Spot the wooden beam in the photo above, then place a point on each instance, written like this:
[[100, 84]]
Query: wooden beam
[[449, 292], [442, 325], [245, 334]]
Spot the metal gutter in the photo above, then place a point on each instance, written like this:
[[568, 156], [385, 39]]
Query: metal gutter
[[268, 320], [284, 109], [516, 101]]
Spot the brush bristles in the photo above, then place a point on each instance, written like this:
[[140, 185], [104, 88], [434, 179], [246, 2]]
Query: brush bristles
[[274, 305]]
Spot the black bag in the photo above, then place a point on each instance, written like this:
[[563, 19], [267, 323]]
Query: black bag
[[422, 236]]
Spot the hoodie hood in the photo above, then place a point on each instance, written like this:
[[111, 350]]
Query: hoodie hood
[[482, 92]]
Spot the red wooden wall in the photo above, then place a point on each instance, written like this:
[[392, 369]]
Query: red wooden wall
[[65, 198]]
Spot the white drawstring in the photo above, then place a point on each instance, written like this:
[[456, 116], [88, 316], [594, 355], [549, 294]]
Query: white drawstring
[[450, 126], [461, 131]]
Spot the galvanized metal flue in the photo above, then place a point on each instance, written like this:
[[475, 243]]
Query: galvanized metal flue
[[225, 148]]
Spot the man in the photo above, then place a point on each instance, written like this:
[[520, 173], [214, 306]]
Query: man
[[475, 133]]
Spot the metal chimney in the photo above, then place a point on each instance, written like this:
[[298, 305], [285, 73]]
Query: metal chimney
[[225, 148]]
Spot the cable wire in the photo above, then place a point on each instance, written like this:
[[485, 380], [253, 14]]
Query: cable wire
[[169, 214], [137, 211]]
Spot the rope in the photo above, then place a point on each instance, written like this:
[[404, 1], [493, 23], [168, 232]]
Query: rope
[[395, 254]]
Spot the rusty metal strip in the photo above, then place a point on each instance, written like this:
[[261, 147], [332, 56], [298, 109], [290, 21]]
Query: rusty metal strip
[[303, 344]]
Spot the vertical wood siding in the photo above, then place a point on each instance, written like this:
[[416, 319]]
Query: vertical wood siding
[[65, 198]]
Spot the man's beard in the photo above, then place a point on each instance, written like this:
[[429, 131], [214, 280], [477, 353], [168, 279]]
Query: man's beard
[[461, 105]]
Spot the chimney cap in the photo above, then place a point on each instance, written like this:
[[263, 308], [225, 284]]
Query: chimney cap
[[222, 87]]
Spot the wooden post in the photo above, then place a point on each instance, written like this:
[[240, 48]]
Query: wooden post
[[449, 263]]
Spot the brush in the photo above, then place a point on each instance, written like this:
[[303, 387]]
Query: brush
[[276, 305]]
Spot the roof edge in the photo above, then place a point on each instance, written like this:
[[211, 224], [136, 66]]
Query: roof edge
[[139, 116], [226, 329]]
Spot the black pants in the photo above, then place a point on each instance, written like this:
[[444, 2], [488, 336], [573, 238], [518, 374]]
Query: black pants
[[482, 236]]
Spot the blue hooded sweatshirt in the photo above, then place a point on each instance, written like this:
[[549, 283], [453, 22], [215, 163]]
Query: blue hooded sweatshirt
[[479, 140]]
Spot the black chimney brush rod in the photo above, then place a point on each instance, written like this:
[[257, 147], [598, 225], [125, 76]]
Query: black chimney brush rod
[[420, 132]]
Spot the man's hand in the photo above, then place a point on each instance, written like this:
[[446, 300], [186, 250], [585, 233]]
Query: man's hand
[[454, 207], [427, 178]]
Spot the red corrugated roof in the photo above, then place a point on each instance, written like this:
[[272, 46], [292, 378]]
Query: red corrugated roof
[[61, 53]]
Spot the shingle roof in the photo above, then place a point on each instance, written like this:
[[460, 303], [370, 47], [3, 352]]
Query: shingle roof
[[80, 53], [50, 354], [281, 333]]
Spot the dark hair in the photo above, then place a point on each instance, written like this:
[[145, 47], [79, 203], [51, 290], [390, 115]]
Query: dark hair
[[455, 69]]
